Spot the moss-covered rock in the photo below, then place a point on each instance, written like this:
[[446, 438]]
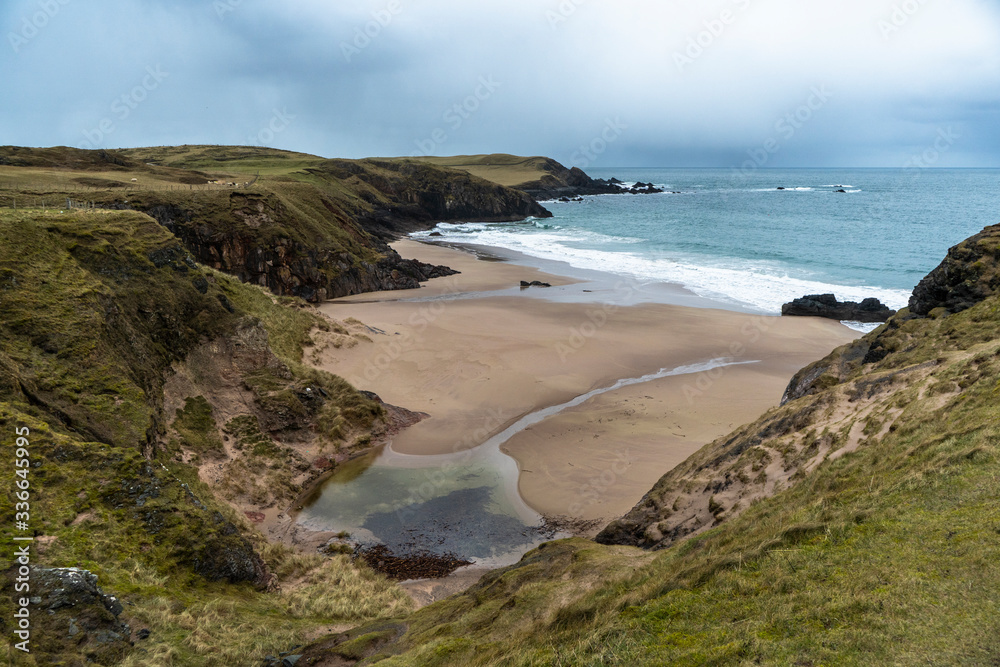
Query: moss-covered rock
[[969, 274]]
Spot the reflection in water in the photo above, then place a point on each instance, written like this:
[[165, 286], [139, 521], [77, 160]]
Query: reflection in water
[[466, 504], [461, 506], [466, 521]]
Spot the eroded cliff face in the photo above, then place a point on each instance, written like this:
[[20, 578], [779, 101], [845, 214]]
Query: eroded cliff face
[[301, 240], [258, 246], [561, 181], [404, 196]]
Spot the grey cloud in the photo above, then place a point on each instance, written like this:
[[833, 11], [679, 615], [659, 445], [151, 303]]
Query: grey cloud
[[384, 77]]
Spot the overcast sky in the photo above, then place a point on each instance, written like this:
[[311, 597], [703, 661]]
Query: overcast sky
[[589, 82]]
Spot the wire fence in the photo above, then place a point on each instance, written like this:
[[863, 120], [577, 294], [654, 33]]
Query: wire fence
[[16, 194], [25, 202]]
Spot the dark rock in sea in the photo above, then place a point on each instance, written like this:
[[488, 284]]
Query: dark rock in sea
[[782, 188], [826, 305], [534, 283], [841, 190], [435, 234], [559, 182], [644, 189], [969, 274]]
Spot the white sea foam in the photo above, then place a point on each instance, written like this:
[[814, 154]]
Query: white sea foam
[[863, 327], [760, 285]]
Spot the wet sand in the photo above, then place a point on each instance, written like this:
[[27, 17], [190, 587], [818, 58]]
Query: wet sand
[[478, 363]]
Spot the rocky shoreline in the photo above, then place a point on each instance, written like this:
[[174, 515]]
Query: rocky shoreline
[[869, 311]]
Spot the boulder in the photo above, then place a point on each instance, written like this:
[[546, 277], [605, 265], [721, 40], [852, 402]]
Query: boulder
[[73, 619], [827, 305], [969, 274]]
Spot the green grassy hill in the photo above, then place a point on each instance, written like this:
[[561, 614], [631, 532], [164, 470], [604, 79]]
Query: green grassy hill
[[132, 368], [857, 524], [300, 225], [540, 177]]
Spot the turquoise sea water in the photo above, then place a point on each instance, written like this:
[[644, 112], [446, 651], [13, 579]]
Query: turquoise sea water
[[736, 238]]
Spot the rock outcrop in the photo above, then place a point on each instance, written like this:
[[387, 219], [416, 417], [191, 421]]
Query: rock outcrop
[[72, 618], [561, 181], [285, 265], [967, 275], [827, 305]]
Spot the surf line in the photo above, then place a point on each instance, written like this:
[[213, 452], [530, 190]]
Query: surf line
[[493, 444]]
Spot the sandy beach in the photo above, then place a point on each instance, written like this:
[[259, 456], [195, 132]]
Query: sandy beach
[[476, 364]]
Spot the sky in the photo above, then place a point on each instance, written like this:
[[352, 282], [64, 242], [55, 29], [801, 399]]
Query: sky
[[591, 83]]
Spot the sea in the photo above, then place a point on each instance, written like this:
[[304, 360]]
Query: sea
[[734, 237]]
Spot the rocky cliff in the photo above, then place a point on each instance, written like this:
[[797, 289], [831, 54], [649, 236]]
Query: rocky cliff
[[560, 181], [311, 227], [969, 274], [539, 177]]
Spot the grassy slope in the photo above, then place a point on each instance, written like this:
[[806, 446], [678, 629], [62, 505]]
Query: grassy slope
[[303, 224], [509, 170], [888, 554], [89, 326]]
